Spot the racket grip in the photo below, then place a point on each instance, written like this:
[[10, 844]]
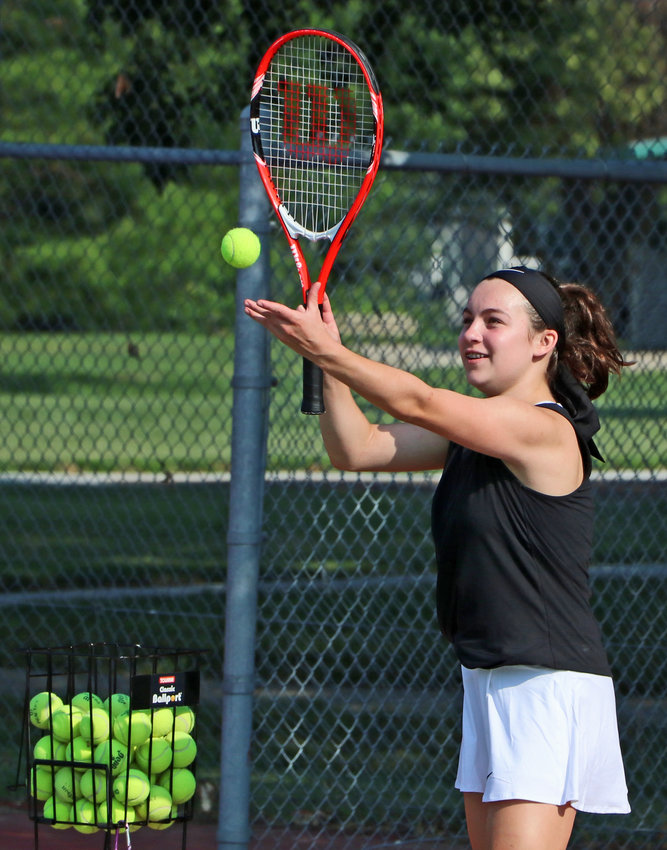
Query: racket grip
[[313, 390]]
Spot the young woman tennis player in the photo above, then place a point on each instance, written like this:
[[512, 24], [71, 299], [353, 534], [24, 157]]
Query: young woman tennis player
[[512, 523]]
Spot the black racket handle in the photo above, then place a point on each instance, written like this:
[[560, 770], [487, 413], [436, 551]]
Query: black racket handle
[[313, 390], [312, 402]]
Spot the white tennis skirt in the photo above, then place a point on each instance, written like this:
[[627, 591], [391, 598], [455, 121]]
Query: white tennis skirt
[[549, 736]]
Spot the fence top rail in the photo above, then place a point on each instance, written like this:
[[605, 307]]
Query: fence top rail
[[282, 476], [617, 170], [121, 153]]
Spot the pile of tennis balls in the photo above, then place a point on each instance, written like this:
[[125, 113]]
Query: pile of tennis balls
[[147, 755]]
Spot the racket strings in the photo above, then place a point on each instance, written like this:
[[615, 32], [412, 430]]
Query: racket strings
[[318, 128]]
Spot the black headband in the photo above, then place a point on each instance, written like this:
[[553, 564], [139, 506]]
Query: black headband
[[541, 293], [544, 297]]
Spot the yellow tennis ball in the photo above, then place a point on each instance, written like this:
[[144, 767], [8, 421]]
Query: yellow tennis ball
[[113, 813], [240, 247], [94, 725], [116, 704], [58, 812], [113, 754], [84, 815], [42, 707], [87, 700], [132, 787], [67, 784], [185, 719], [184, 748], [49, 749], [132, 728], [80, 752], [180, 783], [162, 720], [157, 806], [164, 824], [40, 783], [65, 722], [154, 755], [93, 785]]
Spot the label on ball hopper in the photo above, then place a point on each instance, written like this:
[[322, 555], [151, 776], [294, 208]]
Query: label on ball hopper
[[165, 690]]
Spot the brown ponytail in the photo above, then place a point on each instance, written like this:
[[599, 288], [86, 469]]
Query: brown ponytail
[[591, 351]]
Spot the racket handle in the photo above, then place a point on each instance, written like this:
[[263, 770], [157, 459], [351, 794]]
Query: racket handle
[[313, 390]]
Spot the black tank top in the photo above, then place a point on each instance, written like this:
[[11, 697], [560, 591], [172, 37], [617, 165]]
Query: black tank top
[[513, 567]]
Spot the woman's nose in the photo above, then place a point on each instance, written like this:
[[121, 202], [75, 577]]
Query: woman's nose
[[471, 332]]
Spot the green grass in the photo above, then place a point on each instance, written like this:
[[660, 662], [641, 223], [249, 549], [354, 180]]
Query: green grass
[[125, 535], [81, 402], [633, 413]]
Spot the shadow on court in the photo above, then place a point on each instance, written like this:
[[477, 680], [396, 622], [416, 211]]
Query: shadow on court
[[17, 833]]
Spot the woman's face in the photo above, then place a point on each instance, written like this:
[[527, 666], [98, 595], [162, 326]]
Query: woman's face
[[496, 342]]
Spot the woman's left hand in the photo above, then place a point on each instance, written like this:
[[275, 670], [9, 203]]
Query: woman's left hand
[[302, 329]]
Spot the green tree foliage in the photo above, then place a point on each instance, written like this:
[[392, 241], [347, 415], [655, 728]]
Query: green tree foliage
[[146, 107], [494, 75]]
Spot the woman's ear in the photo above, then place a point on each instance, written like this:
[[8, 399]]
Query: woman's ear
[[547, 341]]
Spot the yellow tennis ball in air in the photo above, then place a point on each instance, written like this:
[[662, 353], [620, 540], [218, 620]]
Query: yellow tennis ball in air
[[65, 723], [181, 783], [42, 708], [132, 727], [240, 247]]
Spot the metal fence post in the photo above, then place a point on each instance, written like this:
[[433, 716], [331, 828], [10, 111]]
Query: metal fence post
[[249, 436]]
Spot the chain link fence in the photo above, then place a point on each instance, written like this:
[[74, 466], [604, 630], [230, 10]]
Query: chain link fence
[[516, 132]]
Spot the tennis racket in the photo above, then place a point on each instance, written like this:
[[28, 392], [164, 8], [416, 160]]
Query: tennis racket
[[316, 123]]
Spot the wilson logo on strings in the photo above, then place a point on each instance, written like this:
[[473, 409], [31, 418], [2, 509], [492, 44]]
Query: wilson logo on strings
[[318, 122]]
